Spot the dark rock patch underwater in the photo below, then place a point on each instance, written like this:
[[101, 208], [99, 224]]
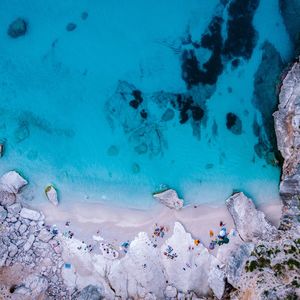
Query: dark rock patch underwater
[[265, 99], [241, 35], [240, 41], [145, 122]]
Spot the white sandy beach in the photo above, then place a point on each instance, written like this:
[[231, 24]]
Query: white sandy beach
[[117, 225]]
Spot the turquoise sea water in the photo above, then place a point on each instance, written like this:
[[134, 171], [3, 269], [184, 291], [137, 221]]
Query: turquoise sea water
[[65, 113]]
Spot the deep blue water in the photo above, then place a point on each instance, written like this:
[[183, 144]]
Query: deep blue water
[[140, 95]]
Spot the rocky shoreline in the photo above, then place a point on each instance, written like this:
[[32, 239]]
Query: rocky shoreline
[[260, 262]]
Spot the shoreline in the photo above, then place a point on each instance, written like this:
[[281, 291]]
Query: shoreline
[[119, 224]]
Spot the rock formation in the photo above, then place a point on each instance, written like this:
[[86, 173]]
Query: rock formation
[[247, 218], [169, 198]]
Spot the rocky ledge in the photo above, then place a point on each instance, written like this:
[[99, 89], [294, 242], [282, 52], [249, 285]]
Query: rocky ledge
[[259, 262]]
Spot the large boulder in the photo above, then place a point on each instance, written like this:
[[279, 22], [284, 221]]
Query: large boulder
[[169, 198], [30, 214], [33, 287], [250, 223], [91, 292], [12, 182], [7, 198]]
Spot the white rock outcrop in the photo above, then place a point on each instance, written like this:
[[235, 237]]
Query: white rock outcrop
[[7, 198], [188, 270], [250, 223], [140, 272], [51, 194], [12, 182], [169, 198], [33, 287], [30, 214]]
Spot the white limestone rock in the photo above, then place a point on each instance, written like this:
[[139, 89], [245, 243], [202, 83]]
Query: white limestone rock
[[169, 198], [188, 270], [141, 267], [45, 235], [6, 198], [171, 291], [3, 213], [51, 194], [14, 208], [13, 250], [33, 287], [29, 242], [22, 228], [12, 182], [3, 256], [30, 214], [250, 223], [216, 278]]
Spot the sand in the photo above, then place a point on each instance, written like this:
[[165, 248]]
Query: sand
[[116, 225]]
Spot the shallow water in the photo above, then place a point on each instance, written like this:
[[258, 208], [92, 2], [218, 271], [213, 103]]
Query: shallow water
[[67, 116]]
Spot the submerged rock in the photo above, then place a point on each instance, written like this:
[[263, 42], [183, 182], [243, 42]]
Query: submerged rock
[[113, 150], [265, 98], [135, 168], [71, 27], [168, 115], [290, 11], [51, 194], [169, 198], [141, 149], [250, 223], [241, 34], [17, 28], [234, 123], [84, 15]]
